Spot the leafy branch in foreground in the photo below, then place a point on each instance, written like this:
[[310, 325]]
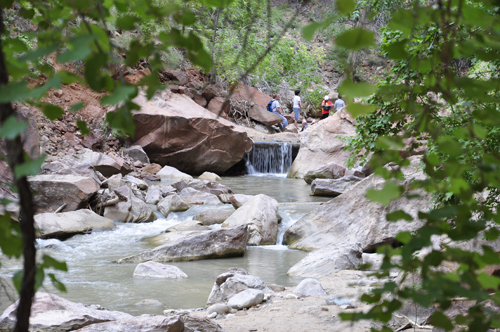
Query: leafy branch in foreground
[[430, 105]]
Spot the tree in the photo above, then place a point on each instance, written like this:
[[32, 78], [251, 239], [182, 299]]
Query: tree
[[430, 99], [81, 31]]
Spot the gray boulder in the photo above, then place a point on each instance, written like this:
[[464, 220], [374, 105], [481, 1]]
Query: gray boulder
[[137, 153], [197, 324], [210, 187], [328, 260], [261, 215], [309, 287], [66, 224], [145, 323], [196, 196], [155, 270], [172, 203], [246, 299], [107, 165], [188, 225], [213, 216], [141, 184], [172, 236], [352, 218], [131, 210], [333, 187], [219, 243], [50, 312], [52, 191], [154, 195], [219, 308], [232, 282], [238, 200], [329, 171]]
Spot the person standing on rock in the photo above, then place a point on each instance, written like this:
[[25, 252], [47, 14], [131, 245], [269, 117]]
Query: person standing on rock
[[339, 103], [297, 105], [326, 106], [276, 109]]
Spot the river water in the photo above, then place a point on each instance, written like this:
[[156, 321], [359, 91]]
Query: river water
[[93, 278]]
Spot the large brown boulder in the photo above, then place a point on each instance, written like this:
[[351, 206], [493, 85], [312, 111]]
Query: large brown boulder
[[175, 131], [248, 93], [52, 191], [322, 144], [262, 115], [219, 106]]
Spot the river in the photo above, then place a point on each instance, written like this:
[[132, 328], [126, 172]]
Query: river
[[93, 278]]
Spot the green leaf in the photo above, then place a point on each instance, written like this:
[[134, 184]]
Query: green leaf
[[26, 13], [127, 22], [11, 241], [309, 30], [488, 281], [389, 142], [82, 126], [356, 39], [403, 237], [76, 107], [93, 70], [39, 276], [351, 89], [390, 191], [120, 94], [57, 284], [345, 6], [78, 48], [29, 167], [6, 4], [12, 128], [17, 279], [53, 112], [14, 91], [39, 52], [398, 215], [358, 109], [51, 262], [396, 50]]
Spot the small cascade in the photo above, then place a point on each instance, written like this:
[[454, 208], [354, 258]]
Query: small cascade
[[270, 158]]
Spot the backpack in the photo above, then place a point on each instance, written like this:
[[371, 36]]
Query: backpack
[[326, 107], [270, 105]]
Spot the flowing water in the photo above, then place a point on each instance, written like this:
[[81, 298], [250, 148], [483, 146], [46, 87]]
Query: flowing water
[[270, 158], [93, 278]]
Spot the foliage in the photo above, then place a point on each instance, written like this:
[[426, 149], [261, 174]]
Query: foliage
[[424, 99]]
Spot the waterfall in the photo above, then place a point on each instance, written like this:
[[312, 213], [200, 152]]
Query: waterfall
[[270, 158]]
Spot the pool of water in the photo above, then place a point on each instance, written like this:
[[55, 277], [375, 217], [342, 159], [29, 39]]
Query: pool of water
[[93, 278]]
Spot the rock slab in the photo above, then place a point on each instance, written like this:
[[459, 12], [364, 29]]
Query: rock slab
[[154, 270]]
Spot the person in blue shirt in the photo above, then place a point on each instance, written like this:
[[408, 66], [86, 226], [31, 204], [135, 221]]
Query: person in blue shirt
[[276, 109], [339, 103]]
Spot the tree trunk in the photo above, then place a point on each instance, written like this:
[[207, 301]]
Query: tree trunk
[[216, 25], [15, 156]]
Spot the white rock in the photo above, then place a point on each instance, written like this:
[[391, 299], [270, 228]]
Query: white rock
[[246, 299], [172, 174], [209, 176], [158, 270], [309, 287], [172, 203]]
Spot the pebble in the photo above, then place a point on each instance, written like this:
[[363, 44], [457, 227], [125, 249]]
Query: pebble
[[338, 301], [230, 316], [291, 296], [346, 306], [212, 315], [275, 309], [169, 312], [241, 313]]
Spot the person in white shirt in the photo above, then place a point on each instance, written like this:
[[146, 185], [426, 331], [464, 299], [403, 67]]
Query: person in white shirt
[[276, 109], [296, 107], [339, 103]]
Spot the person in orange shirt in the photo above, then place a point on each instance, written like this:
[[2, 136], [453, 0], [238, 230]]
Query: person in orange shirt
[[326, 106]]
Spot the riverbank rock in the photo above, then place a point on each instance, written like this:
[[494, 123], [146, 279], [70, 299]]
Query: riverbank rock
[[246, 299], [52, 191], [172, 203], [352, 218], [50, 312], [209, 176], [309, 287], [333, 187], [137, 153], [213, 216], [194, 324], [261, 215], [205, 186], [193, 195], [328, 260], [145, 323], [107, 165], [172, 174], [322, 144], [156, 193], [176, 131], [328, 171], [219, 243], [238, 200], [155, 270], [66, 224], [131, 210], [188, 225], [232, 282]]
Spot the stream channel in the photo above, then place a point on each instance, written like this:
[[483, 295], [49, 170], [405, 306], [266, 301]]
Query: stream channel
[[93, 278]]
